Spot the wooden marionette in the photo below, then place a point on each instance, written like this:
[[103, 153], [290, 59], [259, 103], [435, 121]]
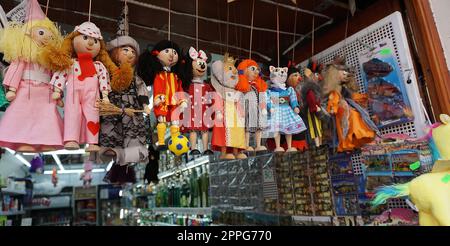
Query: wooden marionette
[[229, 126], [32, 122], [85, 79], [311, 96], [284, 109], [353, 125], [159, 67], [124, 137], [196, 118]]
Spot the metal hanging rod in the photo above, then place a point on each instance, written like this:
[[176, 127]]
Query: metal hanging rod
[[174, 12], [297, 8], [164, 31]]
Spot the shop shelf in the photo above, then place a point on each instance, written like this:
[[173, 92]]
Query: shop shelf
[[13, 192], [11, 213], [183, 210]]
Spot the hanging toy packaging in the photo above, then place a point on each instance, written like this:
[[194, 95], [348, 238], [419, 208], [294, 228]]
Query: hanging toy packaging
[[229, 126], [196, 119], [123, 137], [255, 88], [159, 67], [87, 76], [32, 122], [284, 109]]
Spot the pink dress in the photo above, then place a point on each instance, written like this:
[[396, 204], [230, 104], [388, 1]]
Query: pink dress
[[32, 118], [81, 118]]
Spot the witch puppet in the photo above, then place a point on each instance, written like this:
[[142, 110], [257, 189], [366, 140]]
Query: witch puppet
[[32, 122], [85, 69], [160, 68], [123, 137], [196, 119], [254, 88]]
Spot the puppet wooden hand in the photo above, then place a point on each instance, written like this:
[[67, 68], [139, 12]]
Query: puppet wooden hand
[[319, 109], [297, 110], [56, 94], [11, 95], [264, 111], [147, 109], [105, 96], [159, 100], [183, 106], [219, 116]]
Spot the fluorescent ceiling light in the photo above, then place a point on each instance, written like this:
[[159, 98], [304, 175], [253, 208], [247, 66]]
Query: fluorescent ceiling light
[[98, 170], [19, 157], [58, 162], [62, 152]]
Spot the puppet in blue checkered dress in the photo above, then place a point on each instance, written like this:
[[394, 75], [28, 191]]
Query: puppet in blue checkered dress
[[284, 109]]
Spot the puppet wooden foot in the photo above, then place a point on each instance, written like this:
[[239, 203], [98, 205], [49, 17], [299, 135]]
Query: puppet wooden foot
[[72, 145], [292, 150], [241, 156], [260, 148], [26, 149], [279, 150], [93, 148]]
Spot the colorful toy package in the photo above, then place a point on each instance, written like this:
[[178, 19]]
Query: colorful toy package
[[384, 81]]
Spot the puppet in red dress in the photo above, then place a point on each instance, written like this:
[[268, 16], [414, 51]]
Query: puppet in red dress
[[198, 117]]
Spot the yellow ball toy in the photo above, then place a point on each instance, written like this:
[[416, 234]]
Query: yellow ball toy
[[179, 145]]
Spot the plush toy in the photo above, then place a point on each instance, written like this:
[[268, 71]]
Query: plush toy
[[229, 127], [37, 164], [200, 93], [86, 176], [123, 137], [255, 88], [86, 75], [152, 168], [284, 109], [311, 95], [353, 125], [430, 192], [294, 81], [32, 122], [160, 67]]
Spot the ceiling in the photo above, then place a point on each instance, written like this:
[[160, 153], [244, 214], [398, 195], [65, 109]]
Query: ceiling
[[149, 21]]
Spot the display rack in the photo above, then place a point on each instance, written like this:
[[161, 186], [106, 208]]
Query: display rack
[[109, 205], [12, 201], [53, 210], [85, 206]]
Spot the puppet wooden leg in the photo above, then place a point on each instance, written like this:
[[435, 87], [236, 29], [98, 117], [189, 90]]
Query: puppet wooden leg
[[205, 141], [277, 143], [289, 143], [193, 140], [247, 142], [239, 155], [161, 130], [258, 138]]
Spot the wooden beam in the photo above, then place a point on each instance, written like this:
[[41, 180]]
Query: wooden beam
[[431, 53]]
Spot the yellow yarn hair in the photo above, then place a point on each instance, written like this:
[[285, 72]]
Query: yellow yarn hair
[[16, 43]]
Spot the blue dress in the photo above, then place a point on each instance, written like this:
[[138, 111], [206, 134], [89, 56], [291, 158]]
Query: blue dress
[[284, 120]]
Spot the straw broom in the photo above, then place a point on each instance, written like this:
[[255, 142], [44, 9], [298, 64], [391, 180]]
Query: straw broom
[[108, 109]]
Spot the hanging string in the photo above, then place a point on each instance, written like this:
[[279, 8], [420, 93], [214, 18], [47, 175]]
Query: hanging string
[[313, 35], [168, 31], [228, 26], [127, 28], [90, 8], [46, 8], [251, 28], [295, 31], [219, 24], [346, 35], [278, 36], [196, 24]]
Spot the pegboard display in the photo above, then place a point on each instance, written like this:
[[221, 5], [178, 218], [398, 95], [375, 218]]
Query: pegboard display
[[391, 28]]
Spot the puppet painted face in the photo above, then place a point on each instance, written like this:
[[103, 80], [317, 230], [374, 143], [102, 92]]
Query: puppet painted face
[[86, 44], [41, 35], [252, 73], [231, 75], [294, 79], [126, 54], [278, 76], [199, 62], [168, 57]]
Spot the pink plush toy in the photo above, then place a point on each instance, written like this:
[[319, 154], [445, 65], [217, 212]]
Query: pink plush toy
[[87, 175]]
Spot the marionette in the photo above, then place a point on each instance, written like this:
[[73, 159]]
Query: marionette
[[229, 127], [311, 95], [86, 79], [284, 109], [353, 125], [54, 177], [294, 81], [32, 122], [124, 137], [86, 176], [159, 67], [200, 94], [3, 101], [255, 88]]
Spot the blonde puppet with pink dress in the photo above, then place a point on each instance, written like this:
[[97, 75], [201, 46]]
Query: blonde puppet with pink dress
[[32, 122], [86, 80]]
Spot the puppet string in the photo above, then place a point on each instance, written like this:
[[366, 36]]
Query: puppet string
[[228, 25], [46, 7], [196, 24], [90, 8], [168, 31], [278, 36], [251, 29], [313, 35], [295, 32]]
